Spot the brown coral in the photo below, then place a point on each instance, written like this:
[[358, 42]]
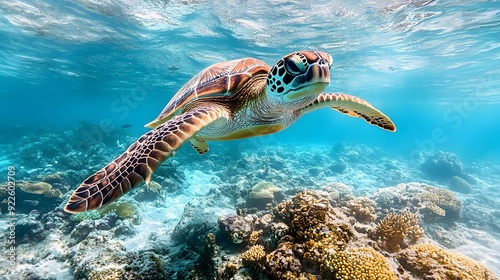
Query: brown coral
[[396, 231], [314, 225], [362, 208], [282, 263], [429, 261], [439, 201], [357, 263], [41, 188]]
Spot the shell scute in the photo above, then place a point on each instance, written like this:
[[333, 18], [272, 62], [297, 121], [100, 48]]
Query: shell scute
[[217, 80]]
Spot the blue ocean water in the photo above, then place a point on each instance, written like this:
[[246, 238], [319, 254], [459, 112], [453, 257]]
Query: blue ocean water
[[432, 66]]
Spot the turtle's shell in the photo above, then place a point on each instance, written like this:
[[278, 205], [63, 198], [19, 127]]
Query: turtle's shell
[[220, 79]]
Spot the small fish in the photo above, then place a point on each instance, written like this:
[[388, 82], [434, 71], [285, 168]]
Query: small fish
[[126, 126]]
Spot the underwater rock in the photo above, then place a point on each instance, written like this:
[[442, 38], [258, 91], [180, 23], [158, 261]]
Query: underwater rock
[[237, 229], [338, 167], [460, 185], [442, 166], [198, 219], [107, 259], [124, 228], [29, 229], [81, 231], [262, 194], [146, 266]]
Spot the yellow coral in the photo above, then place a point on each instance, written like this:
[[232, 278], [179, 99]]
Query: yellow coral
[[153, 186], [362, 208], [254, 254], [109, 273], [53, 177], [122, 209], [439, 200], [433, 262], [254, 237], [398, 229], [357, 263], [41, 188]]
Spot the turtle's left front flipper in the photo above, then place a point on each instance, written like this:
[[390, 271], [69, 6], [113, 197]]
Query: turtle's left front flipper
[[352, 106], [141, 159]]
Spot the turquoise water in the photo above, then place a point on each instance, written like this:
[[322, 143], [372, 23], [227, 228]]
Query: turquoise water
[[432, 66], [427, 65]]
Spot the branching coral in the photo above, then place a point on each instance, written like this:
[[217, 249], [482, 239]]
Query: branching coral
[[442, 202], [429, 261], [356, 263], [362, 208], [396, 231], [254, 254]]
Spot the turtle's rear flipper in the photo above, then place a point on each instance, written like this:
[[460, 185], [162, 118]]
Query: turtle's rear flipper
[[352, 106], [141, 159]]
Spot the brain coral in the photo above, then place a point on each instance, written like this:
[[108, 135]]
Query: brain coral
[[122, 209], [429, 261], [261, 194], [363, 263], [398, 230]]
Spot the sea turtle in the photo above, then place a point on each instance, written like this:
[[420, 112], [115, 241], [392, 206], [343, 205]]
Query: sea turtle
[[228, 100]]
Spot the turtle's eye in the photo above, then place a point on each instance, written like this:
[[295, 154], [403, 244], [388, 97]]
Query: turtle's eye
[[294, 67]]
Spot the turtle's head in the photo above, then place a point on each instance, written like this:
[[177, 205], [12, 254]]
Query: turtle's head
[[299, 76]]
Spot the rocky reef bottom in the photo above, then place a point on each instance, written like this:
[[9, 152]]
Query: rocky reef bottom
[[254, 212]]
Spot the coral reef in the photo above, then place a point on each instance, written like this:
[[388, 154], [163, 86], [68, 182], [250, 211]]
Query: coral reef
[[433, 203], [428, 261], [396, 231], [262, 194], [40, 196], [363, 263], [107, 261], [297, 235], [124, 210], [238, 228], [362, 208], [254, 254], [338, 193], [440, 202]]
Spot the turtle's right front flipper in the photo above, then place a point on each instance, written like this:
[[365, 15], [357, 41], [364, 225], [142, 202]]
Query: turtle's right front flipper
[[141, 159]]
